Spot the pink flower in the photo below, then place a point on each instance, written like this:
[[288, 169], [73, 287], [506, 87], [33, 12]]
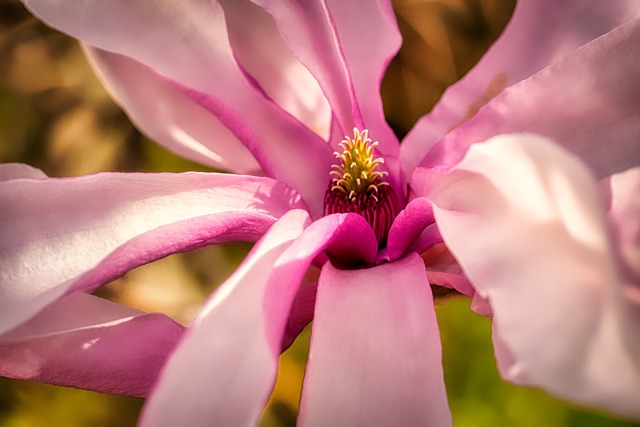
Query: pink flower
[[554, 261]]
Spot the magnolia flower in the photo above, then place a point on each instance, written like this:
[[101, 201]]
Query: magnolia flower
[[273, 89]]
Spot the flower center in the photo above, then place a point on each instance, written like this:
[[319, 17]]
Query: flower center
[[358, 185]]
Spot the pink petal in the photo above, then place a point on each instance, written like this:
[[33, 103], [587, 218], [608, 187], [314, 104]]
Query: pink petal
[[623, 196], [285, 149], [375, 357], [604, 106], [309, 31], [261, 51], [444, 270], [429, 237], [622, 193], [302, 309], [368, 57], [188, 44], [87, 342], [226, 356], [347, 239], [78, 233], [168, 116], [236, 339], [540, 33], [328, 38], [408, 226], [524, 219], [19, 170]]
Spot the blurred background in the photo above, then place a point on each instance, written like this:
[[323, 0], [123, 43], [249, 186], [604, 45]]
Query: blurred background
[[55, 115]]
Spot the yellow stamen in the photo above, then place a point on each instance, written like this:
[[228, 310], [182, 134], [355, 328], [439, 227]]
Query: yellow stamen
[[358, 172]]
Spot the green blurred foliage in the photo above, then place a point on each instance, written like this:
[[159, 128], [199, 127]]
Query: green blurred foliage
[[26, 404], [55, 115]]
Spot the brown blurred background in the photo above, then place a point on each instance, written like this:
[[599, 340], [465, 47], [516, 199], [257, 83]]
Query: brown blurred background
[[55, 115]]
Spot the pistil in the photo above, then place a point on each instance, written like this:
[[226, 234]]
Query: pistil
[[359, 185]]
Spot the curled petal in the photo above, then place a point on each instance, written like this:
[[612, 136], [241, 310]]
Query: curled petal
[[525, 221], [86, 342], [375, 356], [60, 235], [408, 226], [540, 33], [236, 339], [428, 238]]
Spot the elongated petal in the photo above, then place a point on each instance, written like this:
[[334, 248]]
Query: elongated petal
[[309, 31], [604, 106], [301, 314], [262, 52], [78, 233], [367, 54], [235, 340], [288, 152], [181, 41], [329, 38], [188, 44], [375, 355], [168, 116], [86, 342], [226, 346], [525, 220], [540, 33]]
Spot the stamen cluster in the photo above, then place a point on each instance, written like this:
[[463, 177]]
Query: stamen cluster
[[358, 185], [358, 172]]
